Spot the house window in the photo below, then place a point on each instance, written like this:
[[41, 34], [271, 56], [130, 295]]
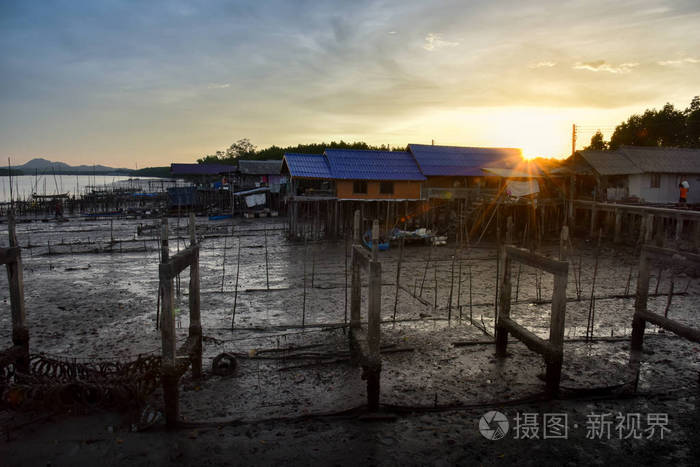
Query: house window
[[655, 181], [359, 187], [386, 188]]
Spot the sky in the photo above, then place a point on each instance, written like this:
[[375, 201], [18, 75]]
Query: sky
[[135, 84]]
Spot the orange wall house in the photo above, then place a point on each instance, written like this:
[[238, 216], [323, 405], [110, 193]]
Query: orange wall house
[[402, 189]]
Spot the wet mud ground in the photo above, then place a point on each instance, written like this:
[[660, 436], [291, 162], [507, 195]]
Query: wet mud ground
[[87, 300]]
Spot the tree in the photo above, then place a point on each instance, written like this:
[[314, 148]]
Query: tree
[[692, 123], [665, 127], [243, 149], [597, 142]]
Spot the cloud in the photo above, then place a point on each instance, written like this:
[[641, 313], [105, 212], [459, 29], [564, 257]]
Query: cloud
[[602, 65], [219, 86], [679, 61], [435, 42], [545, 64]]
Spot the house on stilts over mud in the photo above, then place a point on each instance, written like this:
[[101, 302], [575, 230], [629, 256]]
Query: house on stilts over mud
[[434, 190]]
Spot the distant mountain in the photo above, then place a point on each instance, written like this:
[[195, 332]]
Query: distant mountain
[[47, 166]]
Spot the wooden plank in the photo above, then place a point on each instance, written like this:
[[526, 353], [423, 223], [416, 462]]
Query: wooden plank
[[179, 262], [538, 261], [669, 212], [9, 255], [363, 256], [671, 255], [528, 338], [670, 325]]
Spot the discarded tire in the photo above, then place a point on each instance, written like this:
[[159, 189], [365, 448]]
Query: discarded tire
[[224, 364]]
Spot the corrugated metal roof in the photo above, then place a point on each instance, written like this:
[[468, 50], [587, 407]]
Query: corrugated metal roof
[[201, 169], [247, 167], [663, 160], [372, 165], [462, 161], [610, 162], [308, 165]]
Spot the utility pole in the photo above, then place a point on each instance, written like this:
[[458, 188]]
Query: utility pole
[[573, 139]]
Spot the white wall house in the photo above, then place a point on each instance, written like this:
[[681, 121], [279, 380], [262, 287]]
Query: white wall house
[[648, 173], [663, 188]]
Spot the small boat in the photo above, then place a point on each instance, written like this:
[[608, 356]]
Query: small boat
[[367, 240], [220, 217]]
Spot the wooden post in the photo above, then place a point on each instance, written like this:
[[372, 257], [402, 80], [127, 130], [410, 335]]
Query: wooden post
[[195, 331], [356, 292], [193, 230], [564, 243], [372, 371], [235, 290], [640, 303], [679, 228], [503, 305], [164, 248], [571, 201], [509, 230], [375, 239], [618, 226], [345, 315], [648, 228], [169, 375], [555, 359], [594, 219], [20, 333], [660, 237], [398, 275]]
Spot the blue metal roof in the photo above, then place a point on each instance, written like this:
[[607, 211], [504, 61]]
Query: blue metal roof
[[462, 161], [308, 165], [372, 165]]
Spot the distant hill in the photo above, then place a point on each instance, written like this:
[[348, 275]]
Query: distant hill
[[45, 166]]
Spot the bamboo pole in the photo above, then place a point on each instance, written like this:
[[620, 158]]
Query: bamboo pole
[[223, 265], [303, 307], [345, 316], [425, 271], [452, 285], [235, 290], [267, 265], [591, 306]]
